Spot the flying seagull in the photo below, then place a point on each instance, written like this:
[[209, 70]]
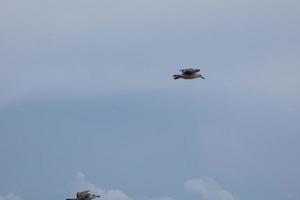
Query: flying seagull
[[188, 73], [84, 195]]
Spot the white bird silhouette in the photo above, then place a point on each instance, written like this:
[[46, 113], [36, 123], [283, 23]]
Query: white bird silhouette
[[188, 73]]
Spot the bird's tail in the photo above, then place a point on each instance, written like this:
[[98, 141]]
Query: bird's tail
[[176, 76]]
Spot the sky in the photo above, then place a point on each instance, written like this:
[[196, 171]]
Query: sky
[[87, 99]]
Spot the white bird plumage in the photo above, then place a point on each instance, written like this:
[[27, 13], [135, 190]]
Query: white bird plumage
[[188, 73]]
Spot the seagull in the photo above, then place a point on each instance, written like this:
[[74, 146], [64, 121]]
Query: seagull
[[84, 195], [188, 73]]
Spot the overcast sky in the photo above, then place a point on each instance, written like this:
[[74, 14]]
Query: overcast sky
[[87, 99]]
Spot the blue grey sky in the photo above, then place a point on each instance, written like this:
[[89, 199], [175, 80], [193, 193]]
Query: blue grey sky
[[87, 100]]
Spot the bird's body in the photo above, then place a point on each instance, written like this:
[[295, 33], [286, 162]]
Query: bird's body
[[84, 195], [188, 73]]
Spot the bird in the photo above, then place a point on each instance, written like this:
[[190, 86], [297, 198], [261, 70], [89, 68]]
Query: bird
[[84, 195], [188, 73]]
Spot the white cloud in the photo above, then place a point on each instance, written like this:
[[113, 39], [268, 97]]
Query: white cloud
[[82, 183], [207, 189], [10, 196]]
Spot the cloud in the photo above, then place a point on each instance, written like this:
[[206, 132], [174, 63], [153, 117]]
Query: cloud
[[10, 196], [207, 189], [81, 183]]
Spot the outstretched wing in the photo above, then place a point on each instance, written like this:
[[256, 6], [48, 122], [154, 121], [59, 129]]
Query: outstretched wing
[[189, 71], [83, 194]]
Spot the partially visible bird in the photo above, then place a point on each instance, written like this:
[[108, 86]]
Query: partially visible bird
[[188, 73], [84, 195]]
